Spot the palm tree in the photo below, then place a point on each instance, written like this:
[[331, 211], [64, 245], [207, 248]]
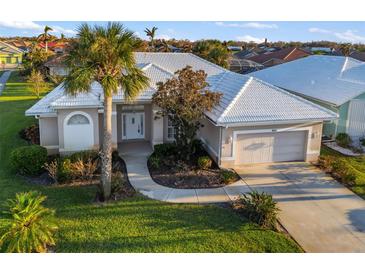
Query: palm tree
[[45, 36], [62, 38], [346, 49], [151, 33], [105, 55], [31, 228]]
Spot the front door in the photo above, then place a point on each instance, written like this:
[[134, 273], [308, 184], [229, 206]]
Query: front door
[[133, 125]]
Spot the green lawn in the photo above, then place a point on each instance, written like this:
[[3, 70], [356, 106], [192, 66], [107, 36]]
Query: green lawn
[[356, 162], [134, 225]]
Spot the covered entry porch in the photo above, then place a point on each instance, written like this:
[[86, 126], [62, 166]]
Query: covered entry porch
[[138, 125]]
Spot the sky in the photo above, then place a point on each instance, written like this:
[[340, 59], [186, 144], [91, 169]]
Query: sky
[[352, 32]]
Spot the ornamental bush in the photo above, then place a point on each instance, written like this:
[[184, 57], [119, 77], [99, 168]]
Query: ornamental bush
[[228, 176], [30, 228], [343, 140], [259, 208], [28, 160], [204, 162]]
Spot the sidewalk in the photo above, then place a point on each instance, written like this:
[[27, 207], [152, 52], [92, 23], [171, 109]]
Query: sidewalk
[[3, 79], [140, 179]]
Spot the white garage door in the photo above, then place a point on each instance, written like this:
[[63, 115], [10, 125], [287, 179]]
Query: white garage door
[[271, 147], [356, 127], [78, 132]]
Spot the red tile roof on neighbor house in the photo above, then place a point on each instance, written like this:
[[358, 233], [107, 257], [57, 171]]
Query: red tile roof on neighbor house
[[286, 55], [53, 44]]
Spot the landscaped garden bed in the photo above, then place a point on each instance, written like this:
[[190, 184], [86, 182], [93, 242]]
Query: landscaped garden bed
[[348, 170], [200, 171]]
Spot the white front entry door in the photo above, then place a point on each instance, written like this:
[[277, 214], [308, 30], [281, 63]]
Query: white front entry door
[[133, 125]]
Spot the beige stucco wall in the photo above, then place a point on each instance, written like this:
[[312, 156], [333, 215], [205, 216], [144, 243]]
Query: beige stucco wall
[[314, 139], [62, 114], [209, 134], [48, 133]]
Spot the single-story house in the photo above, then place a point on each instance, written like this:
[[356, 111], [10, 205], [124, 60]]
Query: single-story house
[[335, 82], [269, 59], [10, 56], [56, 65], [254, 121]]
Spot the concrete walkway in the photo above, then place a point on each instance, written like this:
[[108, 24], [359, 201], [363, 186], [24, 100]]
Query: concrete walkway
[[135, 157], [321, 214], [3, 79]]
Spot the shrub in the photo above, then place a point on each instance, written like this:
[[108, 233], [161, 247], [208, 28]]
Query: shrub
[[65, 172], [165, 149], [84, 155], [28, 160], [343, 140], [204, 162], [84, 169], [362, 141], [30, 228], [155, 161], [228, 176], [259, 208], [52, 169], [198, 148]]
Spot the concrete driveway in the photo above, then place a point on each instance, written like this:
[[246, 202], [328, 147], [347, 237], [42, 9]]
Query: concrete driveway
[[321, 214]]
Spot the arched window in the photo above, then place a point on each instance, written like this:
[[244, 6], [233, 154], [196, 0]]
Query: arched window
[[78, 119]]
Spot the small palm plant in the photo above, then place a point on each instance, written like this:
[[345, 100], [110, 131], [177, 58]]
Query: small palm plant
[[30, 228], [259, 208]]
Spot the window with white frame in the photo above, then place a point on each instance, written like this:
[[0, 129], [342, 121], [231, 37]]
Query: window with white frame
[[171, 130]]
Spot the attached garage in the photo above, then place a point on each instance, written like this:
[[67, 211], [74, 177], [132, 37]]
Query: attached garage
[[271, 147]]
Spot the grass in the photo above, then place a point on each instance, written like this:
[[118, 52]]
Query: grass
[[136, 224], [357, 162]]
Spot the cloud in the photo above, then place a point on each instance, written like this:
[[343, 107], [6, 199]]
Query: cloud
[[252, 25], [318, 30], [249, 38], [30, 25], [163, 36], [172, 31], [350, 36], [346, 36], [58, 29]]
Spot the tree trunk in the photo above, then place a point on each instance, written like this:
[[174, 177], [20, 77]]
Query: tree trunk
[[106, 167], [46, 46]]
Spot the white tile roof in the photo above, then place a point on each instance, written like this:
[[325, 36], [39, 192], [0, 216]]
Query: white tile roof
[[244, 99], [333, 79]]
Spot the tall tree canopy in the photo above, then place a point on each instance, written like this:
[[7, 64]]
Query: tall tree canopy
[[105, 55], [184, 99]]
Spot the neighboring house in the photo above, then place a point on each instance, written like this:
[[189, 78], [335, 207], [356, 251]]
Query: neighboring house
[[55, 46], [234, 48], [269, 59], [358, 55], [10, 56], [336, 82], [254, 122], [20, 44], [56, 65], [243, 66]]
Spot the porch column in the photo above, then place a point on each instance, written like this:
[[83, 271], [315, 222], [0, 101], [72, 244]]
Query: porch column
[[157, 127]]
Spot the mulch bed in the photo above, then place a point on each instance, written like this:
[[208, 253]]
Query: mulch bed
[[186, 176]]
